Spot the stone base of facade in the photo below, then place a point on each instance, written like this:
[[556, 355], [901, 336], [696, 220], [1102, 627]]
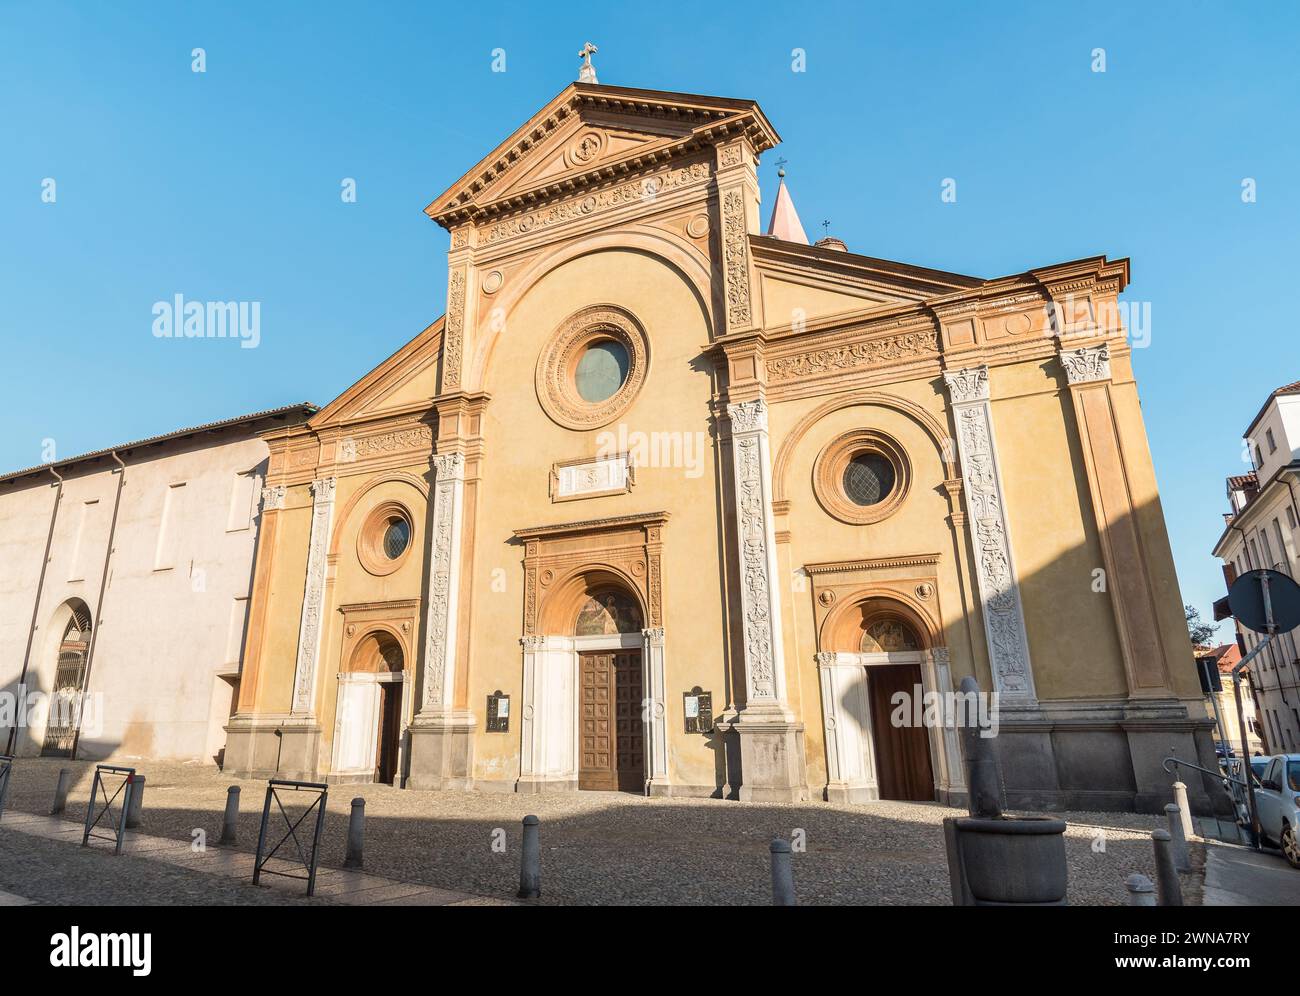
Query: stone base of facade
[[441, 752], [851, 794], [772, 767], [1106, 756], [272, 747]]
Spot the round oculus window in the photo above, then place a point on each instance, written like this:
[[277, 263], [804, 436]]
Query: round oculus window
[[397, 536], [868, 479], [601, 370]]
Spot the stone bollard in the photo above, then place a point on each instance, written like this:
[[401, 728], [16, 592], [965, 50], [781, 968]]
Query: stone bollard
[[1178, 843], [1168, 889], [356, 834], [137, 802], [230, 821], [61, 792], [530, 866], [1180, 797], [782, 875], [1140, 890], [983, 778]]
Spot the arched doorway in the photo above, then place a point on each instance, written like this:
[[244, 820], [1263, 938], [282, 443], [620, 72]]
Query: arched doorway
[[881, 678], [64, 718], [369, 714], [891, 651], [611, 692]]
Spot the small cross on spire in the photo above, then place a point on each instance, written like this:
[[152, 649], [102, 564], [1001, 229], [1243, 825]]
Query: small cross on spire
[[587, 72]]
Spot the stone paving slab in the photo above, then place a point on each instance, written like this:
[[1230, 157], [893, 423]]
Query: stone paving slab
[[9, 899]]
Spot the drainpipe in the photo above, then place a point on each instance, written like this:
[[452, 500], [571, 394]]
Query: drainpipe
[[36, 605], [99, 601]]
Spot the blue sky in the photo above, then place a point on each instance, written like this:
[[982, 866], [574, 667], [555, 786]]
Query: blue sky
[[225, 185]]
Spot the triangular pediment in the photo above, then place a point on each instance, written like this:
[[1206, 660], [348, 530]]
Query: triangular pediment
[[814, 282], [590, 133], [405, 381]]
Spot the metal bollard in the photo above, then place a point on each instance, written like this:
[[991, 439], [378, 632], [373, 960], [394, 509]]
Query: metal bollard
[[230, 821], [137, 801], [782, 875], [1168, 890], [356, 833], [1180, 797], [61, 792], [1182, 860], [1140, 890], [530, 867]]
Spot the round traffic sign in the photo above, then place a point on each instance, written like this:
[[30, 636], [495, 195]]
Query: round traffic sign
[[1246, 599]]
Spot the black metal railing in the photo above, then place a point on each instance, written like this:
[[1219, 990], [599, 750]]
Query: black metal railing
[[95, 813], [306, 857]]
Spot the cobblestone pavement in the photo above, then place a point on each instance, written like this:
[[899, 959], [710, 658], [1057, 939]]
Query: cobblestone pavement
[[608, 848]]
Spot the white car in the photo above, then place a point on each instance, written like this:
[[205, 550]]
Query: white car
[[1278, 800]]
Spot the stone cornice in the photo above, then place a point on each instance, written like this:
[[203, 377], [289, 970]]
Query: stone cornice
[[594, 525], [873, 564]]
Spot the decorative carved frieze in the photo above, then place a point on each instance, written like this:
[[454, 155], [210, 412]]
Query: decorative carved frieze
[[1087, 364], [311, 624], [999, 588], [444, 575], [854, 356], [629, 192], [735, 254]]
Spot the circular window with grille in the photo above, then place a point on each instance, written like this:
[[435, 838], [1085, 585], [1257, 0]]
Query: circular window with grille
[[385, 538], [861, 476], [593, 367]]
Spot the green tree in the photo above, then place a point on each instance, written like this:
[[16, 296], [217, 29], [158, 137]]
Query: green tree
[[1203, 633]]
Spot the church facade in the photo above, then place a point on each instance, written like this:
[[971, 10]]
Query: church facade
[[663, 504]]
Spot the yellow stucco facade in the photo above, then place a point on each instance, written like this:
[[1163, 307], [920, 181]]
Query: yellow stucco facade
[[665, 581]]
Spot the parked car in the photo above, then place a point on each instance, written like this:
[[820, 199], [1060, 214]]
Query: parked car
[[1278, 800], [1223, 749], [1237, 788]]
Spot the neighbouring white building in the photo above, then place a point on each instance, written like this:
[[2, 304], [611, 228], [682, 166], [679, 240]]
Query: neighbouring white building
[[1263, 531], [124, 575]]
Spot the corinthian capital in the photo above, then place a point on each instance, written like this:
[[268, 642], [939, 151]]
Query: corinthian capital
[[1087, 364], [968, 384], [748, 416]]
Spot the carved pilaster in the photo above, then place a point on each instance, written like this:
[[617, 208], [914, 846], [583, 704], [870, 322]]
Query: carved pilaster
[[1124, 549], [656, 713], [999, 587], [312, 623], [756, 542], [444, 582], [737, 205]]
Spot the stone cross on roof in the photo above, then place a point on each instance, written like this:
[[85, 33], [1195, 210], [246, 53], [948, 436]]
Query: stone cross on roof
[[587, 73]]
